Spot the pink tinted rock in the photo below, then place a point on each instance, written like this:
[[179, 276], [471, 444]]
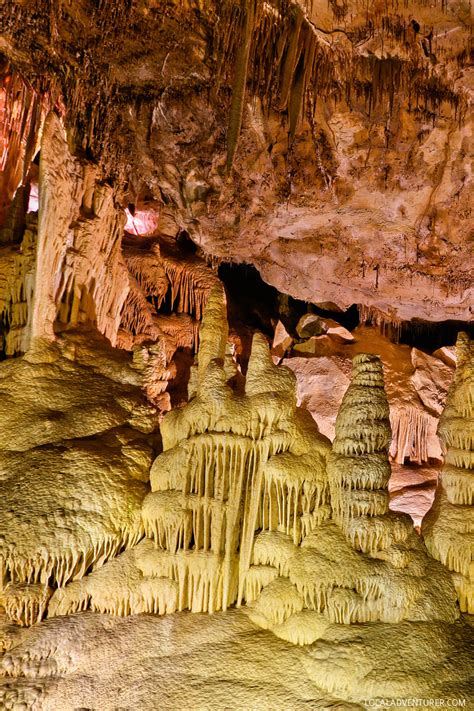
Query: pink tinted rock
[[338, 332], [321, 385], [282, 342], [431, 380]]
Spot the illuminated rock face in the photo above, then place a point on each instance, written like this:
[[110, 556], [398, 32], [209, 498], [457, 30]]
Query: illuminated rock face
[[358, 120], [72, 483], [249, 505], [233, 463], [448, 528], [327, 144], [363, 563]]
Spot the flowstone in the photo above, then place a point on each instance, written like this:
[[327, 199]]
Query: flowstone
[[233, 463], [248, 504], [74, 462], [448, 528]]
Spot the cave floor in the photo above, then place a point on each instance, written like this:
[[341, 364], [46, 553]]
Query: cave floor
[[91, 661]]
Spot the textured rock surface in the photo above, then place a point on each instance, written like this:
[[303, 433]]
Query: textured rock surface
[[412, 489], [321, 385], [431, 379], [73, 483], [449, 526], [223, 661], [363, 198], [150, 150]]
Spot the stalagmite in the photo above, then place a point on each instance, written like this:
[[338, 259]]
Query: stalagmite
[[175, 532], [448, 529], [232, 464], [358, 562], [362, 430]]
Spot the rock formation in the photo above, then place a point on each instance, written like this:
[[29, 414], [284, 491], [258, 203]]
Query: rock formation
[[232, 463], [377, 570], [344, 112], [448, 528], [182, 183], [246, 506], [85, 452], [359, 470]]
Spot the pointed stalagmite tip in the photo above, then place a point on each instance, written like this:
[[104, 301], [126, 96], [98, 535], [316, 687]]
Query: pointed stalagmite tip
[[367, 369], [214, 329], [263, 375]]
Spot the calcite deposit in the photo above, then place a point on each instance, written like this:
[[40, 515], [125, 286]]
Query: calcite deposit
[[449, 527], [236, 435]]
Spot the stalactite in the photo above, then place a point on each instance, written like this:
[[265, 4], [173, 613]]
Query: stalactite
[[80, 273], [258, 577], [290, 495], [22, 112], [120, 587], [191, 282], [16, 288], [146, 266], [240, 80], [25, 604], [410, 430], [291, 57], [136, 315], [388, 324], [158, 273]]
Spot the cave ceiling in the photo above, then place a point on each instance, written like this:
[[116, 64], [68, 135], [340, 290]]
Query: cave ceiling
[[328, 143]]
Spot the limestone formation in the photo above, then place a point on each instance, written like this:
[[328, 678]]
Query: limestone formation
[[125, 585], [176, 528], [360, 563], [80, 274], [231, 464], [358, 469], [159, 273], [448, 528], [22, 112], [73, 483], [246, 507]]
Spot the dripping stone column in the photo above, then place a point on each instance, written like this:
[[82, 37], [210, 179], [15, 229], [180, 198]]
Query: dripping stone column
[[358, 467], [448, 529]]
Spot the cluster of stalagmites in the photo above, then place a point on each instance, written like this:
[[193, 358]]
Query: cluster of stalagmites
[[249, 504], [448, 528]]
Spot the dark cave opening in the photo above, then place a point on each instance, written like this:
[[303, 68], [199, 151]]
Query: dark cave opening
[[258, 305], [429, 336]]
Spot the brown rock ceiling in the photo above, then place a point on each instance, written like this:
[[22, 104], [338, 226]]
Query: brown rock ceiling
[[329, 145]]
